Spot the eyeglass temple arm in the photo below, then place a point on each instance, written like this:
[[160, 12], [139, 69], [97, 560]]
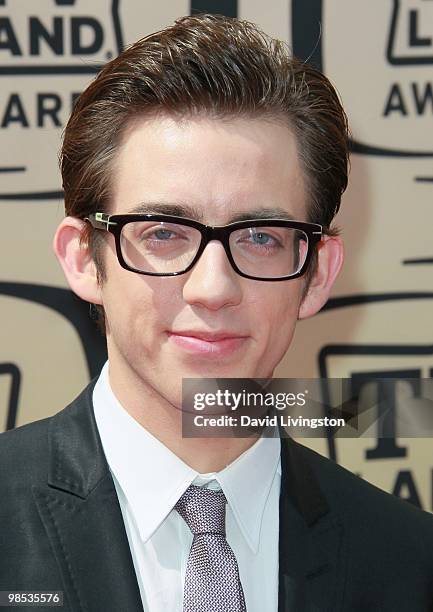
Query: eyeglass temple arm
[[100, 220]]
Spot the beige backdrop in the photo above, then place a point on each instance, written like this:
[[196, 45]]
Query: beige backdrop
[[379, 55]]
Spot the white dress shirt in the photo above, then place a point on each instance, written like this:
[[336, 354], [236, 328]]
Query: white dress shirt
[[149, 480]]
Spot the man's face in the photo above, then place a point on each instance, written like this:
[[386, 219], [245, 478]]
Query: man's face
[[219, 168]]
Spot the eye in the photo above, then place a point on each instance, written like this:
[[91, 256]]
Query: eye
[[161, 234], [256, 237], [158, 233], [262, 238]]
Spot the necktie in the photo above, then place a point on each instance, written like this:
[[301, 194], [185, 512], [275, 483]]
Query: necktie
[[212, 582]]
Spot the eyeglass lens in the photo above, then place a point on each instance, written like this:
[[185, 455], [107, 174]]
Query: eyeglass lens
[[264, 251]]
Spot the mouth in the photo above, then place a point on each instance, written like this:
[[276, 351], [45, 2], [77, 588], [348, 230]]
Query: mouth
[[222, 343]]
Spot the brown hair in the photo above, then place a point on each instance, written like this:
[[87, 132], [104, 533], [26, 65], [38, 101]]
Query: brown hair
[[214, 65]]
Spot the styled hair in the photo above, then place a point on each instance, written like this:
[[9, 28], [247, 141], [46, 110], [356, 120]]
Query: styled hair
[[205, 65]]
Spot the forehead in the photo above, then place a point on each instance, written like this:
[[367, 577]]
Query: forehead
[[217, 169]]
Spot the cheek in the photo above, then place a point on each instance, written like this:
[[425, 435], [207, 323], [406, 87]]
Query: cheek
[[277, 314], [279, 305], [136, 304]]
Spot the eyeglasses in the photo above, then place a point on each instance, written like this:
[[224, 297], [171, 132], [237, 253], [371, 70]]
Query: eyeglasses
[[165, 245]]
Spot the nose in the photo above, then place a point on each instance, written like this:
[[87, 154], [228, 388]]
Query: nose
[[212, 283]]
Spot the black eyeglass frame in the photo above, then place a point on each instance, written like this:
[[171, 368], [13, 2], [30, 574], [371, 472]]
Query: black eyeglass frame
[[115, 223]]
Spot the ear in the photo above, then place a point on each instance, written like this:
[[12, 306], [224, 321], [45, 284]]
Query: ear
[[329, 261], [75, 258]]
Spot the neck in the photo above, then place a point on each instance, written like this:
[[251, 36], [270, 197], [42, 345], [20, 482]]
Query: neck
[[164, 421]]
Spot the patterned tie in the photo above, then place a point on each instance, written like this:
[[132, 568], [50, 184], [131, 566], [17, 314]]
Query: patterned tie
[[212, 582]]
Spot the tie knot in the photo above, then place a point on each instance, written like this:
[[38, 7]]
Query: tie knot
[[203, 510]]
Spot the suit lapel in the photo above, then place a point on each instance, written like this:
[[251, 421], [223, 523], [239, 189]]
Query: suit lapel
[[82, 516], [311, 560]]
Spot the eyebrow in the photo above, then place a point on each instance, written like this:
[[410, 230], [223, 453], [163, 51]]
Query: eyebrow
[[263, 213], [191, 212], [168, 208]]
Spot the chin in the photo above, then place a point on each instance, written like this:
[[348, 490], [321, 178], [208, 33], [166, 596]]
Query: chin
[[221, 371]]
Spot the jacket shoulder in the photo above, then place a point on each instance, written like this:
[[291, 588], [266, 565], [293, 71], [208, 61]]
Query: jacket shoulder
[[339, 481], [370, 512], [25, 450]]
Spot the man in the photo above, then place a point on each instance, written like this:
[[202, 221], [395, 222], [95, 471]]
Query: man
[[202, 170]]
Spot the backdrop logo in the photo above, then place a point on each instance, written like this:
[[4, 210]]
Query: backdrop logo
[[65, 41], [411, 33], [390, 107], [60, 37], [398, 378]]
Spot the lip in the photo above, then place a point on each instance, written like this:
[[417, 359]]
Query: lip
[[221, 343]]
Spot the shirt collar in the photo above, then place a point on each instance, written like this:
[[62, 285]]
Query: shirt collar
[[146, 469], [247, 482]]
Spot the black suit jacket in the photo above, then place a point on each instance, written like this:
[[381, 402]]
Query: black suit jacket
[[344, 544]]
